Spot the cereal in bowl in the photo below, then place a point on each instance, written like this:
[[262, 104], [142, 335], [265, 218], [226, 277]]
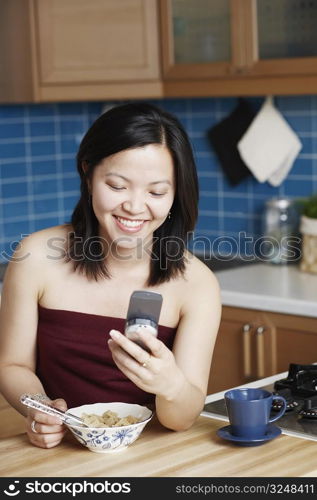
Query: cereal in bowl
[[108, 419]]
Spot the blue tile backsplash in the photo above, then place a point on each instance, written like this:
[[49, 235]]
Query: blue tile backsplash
[[39, 185]]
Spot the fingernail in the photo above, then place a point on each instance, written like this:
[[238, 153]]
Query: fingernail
[[114, 334]]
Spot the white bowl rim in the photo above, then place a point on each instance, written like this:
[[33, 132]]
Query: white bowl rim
[[113, 427]]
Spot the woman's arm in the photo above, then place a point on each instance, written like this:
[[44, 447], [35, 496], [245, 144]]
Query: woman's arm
[[18, 329], [193, 348], [179, 378], [18, 326]]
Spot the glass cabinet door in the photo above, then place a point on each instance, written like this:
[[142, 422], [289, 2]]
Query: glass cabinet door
[[287, 28], [285, 37], [226, 42], [201, 31], [200, 37]]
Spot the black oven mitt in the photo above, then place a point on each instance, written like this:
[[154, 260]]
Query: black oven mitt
[[224, 138]]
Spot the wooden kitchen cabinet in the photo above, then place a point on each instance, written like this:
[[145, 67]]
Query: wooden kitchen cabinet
[[202, 39], [56, 50], [239, 47], [254, 344], [296, 339], [79, 50], [243, 352]]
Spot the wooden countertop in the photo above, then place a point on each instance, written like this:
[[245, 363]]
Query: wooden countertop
[[158, 452]]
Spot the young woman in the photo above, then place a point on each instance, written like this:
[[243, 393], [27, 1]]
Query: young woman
[[67, 288]]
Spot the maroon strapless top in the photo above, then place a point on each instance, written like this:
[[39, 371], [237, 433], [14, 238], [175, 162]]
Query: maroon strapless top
[[75, 363]]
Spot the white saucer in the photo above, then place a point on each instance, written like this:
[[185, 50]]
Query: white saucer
[[272, 432]]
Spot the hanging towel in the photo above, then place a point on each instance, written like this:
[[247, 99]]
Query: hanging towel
[[269, 147], [224, 138]]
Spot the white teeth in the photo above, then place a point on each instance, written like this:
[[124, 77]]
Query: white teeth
[[130, 223]]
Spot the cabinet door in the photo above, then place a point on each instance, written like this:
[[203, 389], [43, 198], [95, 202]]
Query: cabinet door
[[296, 340], [202, 39], [227, 366], [253, 344], [283, 37], [244, 349], [82, 41]]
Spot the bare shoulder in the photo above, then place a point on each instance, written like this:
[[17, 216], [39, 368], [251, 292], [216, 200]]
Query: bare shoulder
[[31, 254], [198, 275], [37, 245], [199, 288]]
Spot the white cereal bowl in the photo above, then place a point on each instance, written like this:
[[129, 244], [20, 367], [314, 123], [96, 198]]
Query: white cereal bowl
[[109, 439]]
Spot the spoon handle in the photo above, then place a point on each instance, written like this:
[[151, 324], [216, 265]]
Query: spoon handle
[[32, 402]]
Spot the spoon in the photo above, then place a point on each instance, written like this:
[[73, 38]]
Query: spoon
[[31, 402]]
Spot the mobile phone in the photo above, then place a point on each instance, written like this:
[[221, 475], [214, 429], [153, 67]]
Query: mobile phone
[[143, 313]]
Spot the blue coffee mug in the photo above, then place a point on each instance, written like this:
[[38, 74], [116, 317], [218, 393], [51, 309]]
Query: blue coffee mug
[[249, 411]]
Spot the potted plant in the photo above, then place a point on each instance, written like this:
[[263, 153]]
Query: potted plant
[[308, 229]]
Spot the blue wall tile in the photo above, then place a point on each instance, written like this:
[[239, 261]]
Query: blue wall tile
[[69, 146], [207, 203], [42, 148], [68, 164], [44, 168], [15, 209], [42, 128], [72, 126], [69, 205], [47, 205], [12, 170], [302, 166], [71, 183], [237, 205], [14, 230], [10, 130], [39, 184], [14, 149], [43, 185], [46, 110]]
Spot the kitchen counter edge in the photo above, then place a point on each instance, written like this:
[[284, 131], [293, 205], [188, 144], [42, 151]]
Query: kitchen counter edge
[[280, 289]]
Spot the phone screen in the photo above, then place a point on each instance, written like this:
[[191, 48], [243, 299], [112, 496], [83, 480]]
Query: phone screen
[[143, 313], [146, 305]]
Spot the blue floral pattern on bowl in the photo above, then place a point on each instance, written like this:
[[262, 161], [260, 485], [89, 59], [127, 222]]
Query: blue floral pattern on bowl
[[104, 439]]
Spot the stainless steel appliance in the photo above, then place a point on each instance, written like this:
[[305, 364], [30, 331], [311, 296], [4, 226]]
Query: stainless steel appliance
[[299, 388], [280, 231]]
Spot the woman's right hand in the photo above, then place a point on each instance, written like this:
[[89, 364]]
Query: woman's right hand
[[47, 431]]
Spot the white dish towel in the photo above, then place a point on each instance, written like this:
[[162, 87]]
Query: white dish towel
[[269, 147]]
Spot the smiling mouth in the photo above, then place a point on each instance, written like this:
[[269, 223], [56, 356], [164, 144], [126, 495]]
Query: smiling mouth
[[130, 224]]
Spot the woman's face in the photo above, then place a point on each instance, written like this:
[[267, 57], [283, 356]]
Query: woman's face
[[132, 193]]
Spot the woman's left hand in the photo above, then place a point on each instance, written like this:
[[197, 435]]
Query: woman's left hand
[[155, 371]]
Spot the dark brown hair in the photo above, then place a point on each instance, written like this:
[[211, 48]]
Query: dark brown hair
[[124, 127]]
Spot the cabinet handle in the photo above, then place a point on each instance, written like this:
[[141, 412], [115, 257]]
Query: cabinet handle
[[247, 350], [241, 70], [259, 334], [238, 70]]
